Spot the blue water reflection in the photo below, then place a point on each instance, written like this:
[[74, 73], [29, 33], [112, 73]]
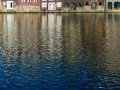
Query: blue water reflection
[[54, 51]]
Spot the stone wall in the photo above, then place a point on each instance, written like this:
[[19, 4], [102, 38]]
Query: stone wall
[[29, 9], [22, 9], [15, 9]]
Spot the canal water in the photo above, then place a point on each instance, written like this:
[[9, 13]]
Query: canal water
[[60, 51]]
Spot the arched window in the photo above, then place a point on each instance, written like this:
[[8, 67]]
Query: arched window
[[93, 5], [73, 6], [87, 3], [100, 3]]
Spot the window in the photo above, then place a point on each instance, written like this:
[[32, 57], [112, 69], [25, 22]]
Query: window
[[59, 4], [4, 3], [44, 5], [35, 0], [23, 0], [29, 1], [100, 3], [9, 4], [87, 3], [94, 0]]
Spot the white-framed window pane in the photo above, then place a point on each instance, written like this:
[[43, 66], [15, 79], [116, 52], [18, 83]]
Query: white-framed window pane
[[35, 0], [44, 4], [59, 4], [51, 0], [29, 0], [23, 0]]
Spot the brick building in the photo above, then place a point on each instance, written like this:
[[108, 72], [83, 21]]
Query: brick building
[[93, 4], [29, 5]]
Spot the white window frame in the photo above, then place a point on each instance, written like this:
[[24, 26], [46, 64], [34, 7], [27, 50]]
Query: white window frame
[[23, 0], [44, 5], [94, 0], [8, 4], [35, 1], [29, 0], [59, 4]]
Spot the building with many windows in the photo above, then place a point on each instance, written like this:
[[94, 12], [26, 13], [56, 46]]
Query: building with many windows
[[51, 5], [83, 5], [21, 5], [112, 4], [29, 5], [9, 5], [93, 5]]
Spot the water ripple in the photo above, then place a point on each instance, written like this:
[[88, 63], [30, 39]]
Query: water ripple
[[54, 51]]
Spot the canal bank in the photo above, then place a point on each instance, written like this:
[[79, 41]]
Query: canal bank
[[36, 9], [57, 11]]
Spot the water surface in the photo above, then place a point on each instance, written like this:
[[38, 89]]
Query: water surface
[[60, 51]]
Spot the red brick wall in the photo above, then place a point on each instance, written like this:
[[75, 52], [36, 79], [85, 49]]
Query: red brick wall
[[29, 3], [90, 1]]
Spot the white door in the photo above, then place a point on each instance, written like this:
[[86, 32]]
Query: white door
[[9, 4], [51, 6]]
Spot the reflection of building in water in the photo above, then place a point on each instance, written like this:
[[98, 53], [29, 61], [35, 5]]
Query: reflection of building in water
[[113, 42], [94, 33], [94, 41], [1, 30], [72, 36], [10, 36], [51, 35], [29, 36]]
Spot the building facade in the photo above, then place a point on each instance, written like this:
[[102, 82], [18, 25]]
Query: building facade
[[9, 5], [94, 5], [51, 5], [72, 5], [83, 5], [29, 5], [112, 4]]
